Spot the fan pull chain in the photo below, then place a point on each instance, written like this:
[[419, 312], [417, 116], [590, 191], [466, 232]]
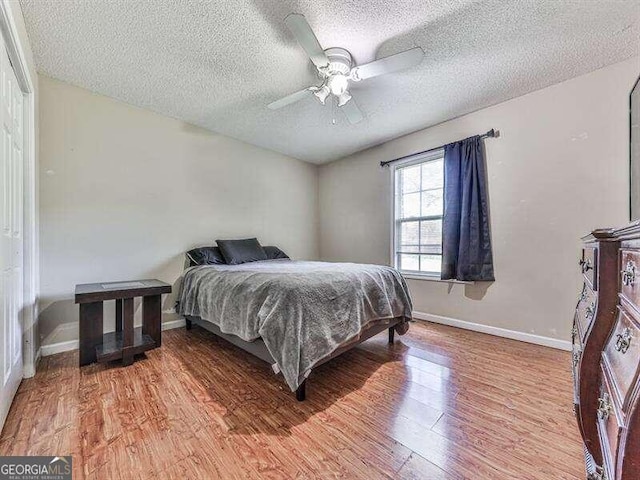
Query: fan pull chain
[[334, 101]]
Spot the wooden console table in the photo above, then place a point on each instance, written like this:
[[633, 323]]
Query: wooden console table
[[126, 341]]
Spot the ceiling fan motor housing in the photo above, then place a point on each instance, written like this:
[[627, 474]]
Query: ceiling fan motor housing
[[340, 61]]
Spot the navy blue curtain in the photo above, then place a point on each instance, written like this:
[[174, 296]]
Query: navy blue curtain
[[466, 239]]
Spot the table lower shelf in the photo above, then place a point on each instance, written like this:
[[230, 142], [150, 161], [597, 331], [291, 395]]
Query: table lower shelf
[[111, 348]]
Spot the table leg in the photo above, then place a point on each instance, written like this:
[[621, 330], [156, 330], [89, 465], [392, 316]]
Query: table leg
[[152, 317], [91, 315], [118, 315], [127, 331]]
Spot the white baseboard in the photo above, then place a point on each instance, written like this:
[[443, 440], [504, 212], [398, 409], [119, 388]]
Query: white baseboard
[[498, 332], [173, 324], [60, 347], [52, 349]]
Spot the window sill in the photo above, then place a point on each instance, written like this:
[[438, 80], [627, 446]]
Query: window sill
[[432, 278]]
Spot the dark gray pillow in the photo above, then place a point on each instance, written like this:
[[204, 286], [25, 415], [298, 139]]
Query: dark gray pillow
[[274, 252], [241, 251], [205, 256]]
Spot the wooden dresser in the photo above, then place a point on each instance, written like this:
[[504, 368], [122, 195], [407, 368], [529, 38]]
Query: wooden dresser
[[606, 353]]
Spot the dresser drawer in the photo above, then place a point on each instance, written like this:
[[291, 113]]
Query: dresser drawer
[[621, 355], [609, 427], [589, 266], [585, 310], [630, 276]]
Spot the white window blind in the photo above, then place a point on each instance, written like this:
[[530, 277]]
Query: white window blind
[[418, 208]]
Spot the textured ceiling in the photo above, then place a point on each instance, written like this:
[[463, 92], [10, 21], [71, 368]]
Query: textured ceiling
[[218, 64]]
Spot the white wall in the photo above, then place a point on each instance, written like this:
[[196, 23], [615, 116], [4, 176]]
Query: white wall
[[558, 170], [125, 192]]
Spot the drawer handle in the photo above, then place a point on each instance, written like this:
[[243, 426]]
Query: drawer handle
[[585, 265], [591, 309], [623, 341], [629, 274], [604, 407]]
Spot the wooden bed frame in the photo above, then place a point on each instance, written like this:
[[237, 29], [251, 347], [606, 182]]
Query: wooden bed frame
[[258, 349]]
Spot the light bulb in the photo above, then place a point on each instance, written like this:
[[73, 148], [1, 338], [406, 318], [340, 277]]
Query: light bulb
[[322, 93], [344, 98], [338, 84]]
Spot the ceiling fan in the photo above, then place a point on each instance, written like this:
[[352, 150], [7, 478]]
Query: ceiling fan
[[336, 69]]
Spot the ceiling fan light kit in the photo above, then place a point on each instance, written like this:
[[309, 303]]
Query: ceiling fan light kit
[[336, 69], [338, 83], [321, 92], [343, 98]]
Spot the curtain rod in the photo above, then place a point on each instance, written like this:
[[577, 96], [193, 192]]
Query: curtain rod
[[490, 134]]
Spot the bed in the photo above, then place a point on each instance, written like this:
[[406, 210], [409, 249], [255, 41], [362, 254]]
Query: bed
[[296, 315]]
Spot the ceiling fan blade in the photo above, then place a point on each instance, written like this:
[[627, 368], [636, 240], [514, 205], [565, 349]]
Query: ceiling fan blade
[[352, 112], [307, 39], [289, 99], [399, 61]]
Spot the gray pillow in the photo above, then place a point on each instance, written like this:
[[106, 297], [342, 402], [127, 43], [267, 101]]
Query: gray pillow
[[274, 252], [241, 251], [205, 256]]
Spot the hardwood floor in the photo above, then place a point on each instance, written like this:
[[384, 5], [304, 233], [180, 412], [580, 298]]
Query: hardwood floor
[[441, 403]]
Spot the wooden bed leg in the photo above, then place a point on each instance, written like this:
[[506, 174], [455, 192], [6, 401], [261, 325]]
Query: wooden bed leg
[[188, 323], [301, 393], [392, 332]]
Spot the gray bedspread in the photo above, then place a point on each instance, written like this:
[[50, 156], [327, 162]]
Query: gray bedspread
[[303, 311]]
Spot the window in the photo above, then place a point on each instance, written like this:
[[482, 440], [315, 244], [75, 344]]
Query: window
[[417, 221]]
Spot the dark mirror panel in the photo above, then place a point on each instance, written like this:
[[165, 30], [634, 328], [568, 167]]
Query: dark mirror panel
[[635, 150]]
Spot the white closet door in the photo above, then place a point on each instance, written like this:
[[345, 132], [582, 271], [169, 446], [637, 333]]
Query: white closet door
[[11, 248]]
